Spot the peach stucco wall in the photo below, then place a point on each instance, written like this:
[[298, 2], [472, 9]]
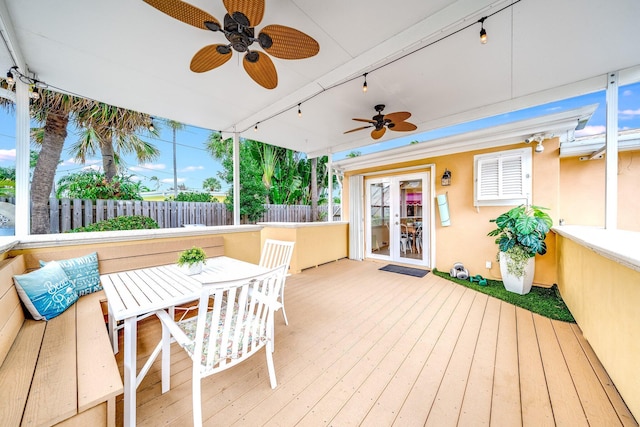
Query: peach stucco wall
[[466, 240]]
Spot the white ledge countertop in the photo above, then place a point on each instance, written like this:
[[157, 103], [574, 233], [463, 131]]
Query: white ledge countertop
[[618, 245]]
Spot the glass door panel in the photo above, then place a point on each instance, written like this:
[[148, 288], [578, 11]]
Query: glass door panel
[[379, 213]]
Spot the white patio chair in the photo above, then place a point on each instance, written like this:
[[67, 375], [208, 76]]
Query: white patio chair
[[276, 253], [239, 324], [405, 239]]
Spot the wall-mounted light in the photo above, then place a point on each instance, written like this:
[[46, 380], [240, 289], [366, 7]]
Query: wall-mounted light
[[446, 178], [483, 32], [364, 85], [539, 147]]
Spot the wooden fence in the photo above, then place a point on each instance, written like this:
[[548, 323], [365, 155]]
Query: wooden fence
[[66, 214]]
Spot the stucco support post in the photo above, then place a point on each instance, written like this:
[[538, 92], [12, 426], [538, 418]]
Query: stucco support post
[[236, 178], [611, 157]]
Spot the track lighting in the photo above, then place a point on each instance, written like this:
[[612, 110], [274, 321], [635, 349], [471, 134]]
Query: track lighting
[[364, 85], [299, 111], [483, 32]]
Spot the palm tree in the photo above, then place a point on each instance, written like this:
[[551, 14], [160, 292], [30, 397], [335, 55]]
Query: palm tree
[[211, 184], [113, 131], [175, 126], [100, 122]]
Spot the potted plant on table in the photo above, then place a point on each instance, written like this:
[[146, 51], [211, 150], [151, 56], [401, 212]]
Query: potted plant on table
[[520, 235], [192, 260]]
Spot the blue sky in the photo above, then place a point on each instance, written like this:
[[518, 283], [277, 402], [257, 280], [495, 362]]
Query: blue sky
[[194, 164]]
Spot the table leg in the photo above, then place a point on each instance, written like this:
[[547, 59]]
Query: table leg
[[130, 371]]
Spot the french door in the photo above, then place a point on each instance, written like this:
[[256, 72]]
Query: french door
[[397, 222]]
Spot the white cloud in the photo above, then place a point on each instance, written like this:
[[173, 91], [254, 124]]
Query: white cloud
[[629, 114], [8, 155], [75, 162], [93, 167], [135, 178], [627, 92], [554, 108], [148, 166], [192, 169], [170, 181], [591, 130]]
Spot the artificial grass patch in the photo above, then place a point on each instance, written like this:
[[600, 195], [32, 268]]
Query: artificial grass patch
[[544, 301]]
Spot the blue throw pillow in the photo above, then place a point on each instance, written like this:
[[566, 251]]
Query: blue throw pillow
[[82, 272], [46, 292]]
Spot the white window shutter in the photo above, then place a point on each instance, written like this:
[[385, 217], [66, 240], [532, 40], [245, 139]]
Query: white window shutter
[[502, 178]]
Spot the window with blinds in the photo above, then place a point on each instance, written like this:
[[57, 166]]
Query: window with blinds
[[502, 178]]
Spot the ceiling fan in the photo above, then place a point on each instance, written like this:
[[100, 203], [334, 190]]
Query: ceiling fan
[[380, 122], [239, 28]]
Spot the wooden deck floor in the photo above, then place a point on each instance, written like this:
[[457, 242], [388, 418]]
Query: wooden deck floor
[[366, 347]]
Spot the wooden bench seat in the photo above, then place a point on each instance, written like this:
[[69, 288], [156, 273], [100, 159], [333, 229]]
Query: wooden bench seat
[[57, 372]]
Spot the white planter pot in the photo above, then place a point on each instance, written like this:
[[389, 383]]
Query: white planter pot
[[518, 285], [193, 268]]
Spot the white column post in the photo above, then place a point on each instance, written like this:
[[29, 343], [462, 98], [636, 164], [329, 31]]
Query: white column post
[[330, 187], [22, 213], [236, 178], [611, 157]]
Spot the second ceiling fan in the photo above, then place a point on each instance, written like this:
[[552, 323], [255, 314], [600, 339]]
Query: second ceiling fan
[[380, 122]]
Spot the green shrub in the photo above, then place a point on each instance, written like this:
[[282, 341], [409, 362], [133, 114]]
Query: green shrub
[[135, 222], [192, 197]]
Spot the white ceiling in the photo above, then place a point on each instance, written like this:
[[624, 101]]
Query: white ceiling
[[126, 53]]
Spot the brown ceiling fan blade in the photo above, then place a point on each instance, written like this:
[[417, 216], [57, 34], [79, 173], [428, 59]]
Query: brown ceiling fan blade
[[356, 129], [289, 43], [403, 127], [208, 58], [252, 9], [183, 11], [262, 70], [377, 133], [400, 116], [365, 120]]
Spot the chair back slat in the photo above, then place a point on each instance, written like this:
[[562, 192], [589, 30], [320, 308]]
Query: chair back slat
[[276, 253]]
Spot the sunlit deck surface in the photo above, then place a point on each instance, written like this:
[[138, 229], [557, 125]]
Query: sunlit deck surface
[[367, 347]]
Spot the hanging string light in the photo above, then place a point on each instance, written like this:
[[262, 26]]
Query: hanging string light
[[10, 79], [255, 128], [364, 85], [299, 111], [152, 128], [483, 32]]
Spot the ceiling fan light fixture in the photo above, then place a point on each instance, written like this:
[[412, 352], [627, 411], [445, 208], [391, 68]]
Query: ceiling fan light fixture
[[483, 32]]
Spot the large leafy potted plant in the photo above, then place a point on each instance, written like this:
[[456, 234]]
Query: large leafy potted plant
[[192, 260], [520, 235]]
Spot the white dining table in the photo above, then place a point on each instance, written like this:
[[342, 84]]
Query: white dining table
[[134, 294]]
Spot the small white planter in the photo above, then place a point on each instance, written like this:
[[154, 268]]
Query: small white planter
[[518, 285], [193, 268]]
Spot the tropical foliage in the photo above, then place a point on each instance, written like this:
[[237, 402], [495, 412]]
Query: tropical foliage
[[93, 185], [135, 222], [270, 174]]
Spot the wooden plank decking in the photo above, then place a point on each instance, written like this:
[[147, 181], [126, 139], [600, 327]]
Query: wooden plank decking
[[366, 347]]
